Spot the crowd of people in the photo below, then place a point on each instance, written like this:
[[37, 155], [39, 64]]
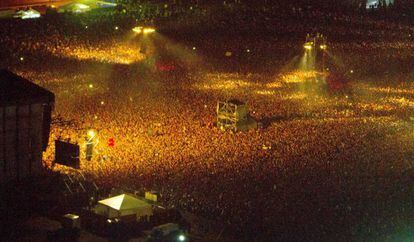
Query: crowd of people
[[319, 164]]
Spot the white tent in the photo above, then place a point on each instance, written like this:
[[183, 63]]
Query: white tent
[[375, 3], [123, 205]]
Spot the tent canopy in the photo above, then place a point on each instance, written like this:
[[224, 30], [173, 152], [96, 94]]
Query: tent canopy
[[124, 202]]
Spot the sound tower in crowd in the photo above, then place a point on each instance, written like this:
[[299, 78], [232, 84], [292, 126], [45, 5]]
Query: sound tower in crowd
[[234, 115], [25, 117]]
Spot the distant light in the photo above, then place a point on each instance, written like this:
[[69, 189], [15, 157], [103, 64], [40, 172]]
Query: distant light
[[142, 30], [116, 27], [323, 47], [194, 48], [148, 30], [21, 58], [90, 85], [30, 14], [79, 8], [247, 50], [181, 237], [102, 102], [91, 133], [86, 26], [308, 45], [137, 29], [352, 71]]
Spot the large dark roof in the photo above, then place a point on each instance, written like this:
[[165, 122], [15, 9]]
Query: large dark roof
[[17, 90]]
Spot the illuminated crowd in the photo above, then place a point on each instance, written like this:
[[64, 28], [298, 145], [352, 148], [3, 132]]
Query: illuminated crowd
[[311, 146]]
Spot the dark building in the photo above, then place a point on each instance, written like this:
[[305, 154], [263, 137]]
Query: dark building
[[25, 117]]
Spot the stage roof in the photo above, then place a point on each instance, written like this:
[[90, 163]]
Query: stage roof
[[17, 90]]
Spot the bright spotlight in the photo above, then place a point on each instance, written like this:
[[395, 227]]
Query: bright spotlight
[[181, 237], [138, 29], [308, 45], [148, 30], [142, 30], [30, 14], [80, 8], [91, 133]]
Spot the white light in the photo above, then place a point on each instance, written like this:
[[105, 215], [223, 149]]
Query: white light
[[21, 59], [30, 14], [181, 237], [91, 133], [194, 48], [102, 102], [90, 85], [116, 27]]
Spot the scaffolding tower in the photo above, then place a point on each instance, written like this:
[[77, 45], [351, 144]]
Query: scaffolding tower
[[233, 115]]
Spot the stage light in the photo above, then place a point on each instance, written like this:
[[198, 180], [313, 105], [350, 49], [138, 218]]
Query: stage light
[[308, 45], [91, 134], [137, 29], [148, 30], [30, 14], [181, 237], [142, 30], [80, 8]]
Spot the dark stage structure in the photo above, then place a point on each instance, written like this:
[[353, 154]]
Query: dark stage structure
[[25, 118]]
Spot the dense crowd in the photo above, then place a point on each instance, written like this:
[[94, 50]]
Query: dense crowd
[[320, 162]]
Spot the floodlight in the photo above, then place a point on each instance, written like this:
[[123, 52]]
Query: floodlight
[[142, 30], [30, 14], [137, 29], [181, 237], [148, 30], [308, 45], [91, 133]]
